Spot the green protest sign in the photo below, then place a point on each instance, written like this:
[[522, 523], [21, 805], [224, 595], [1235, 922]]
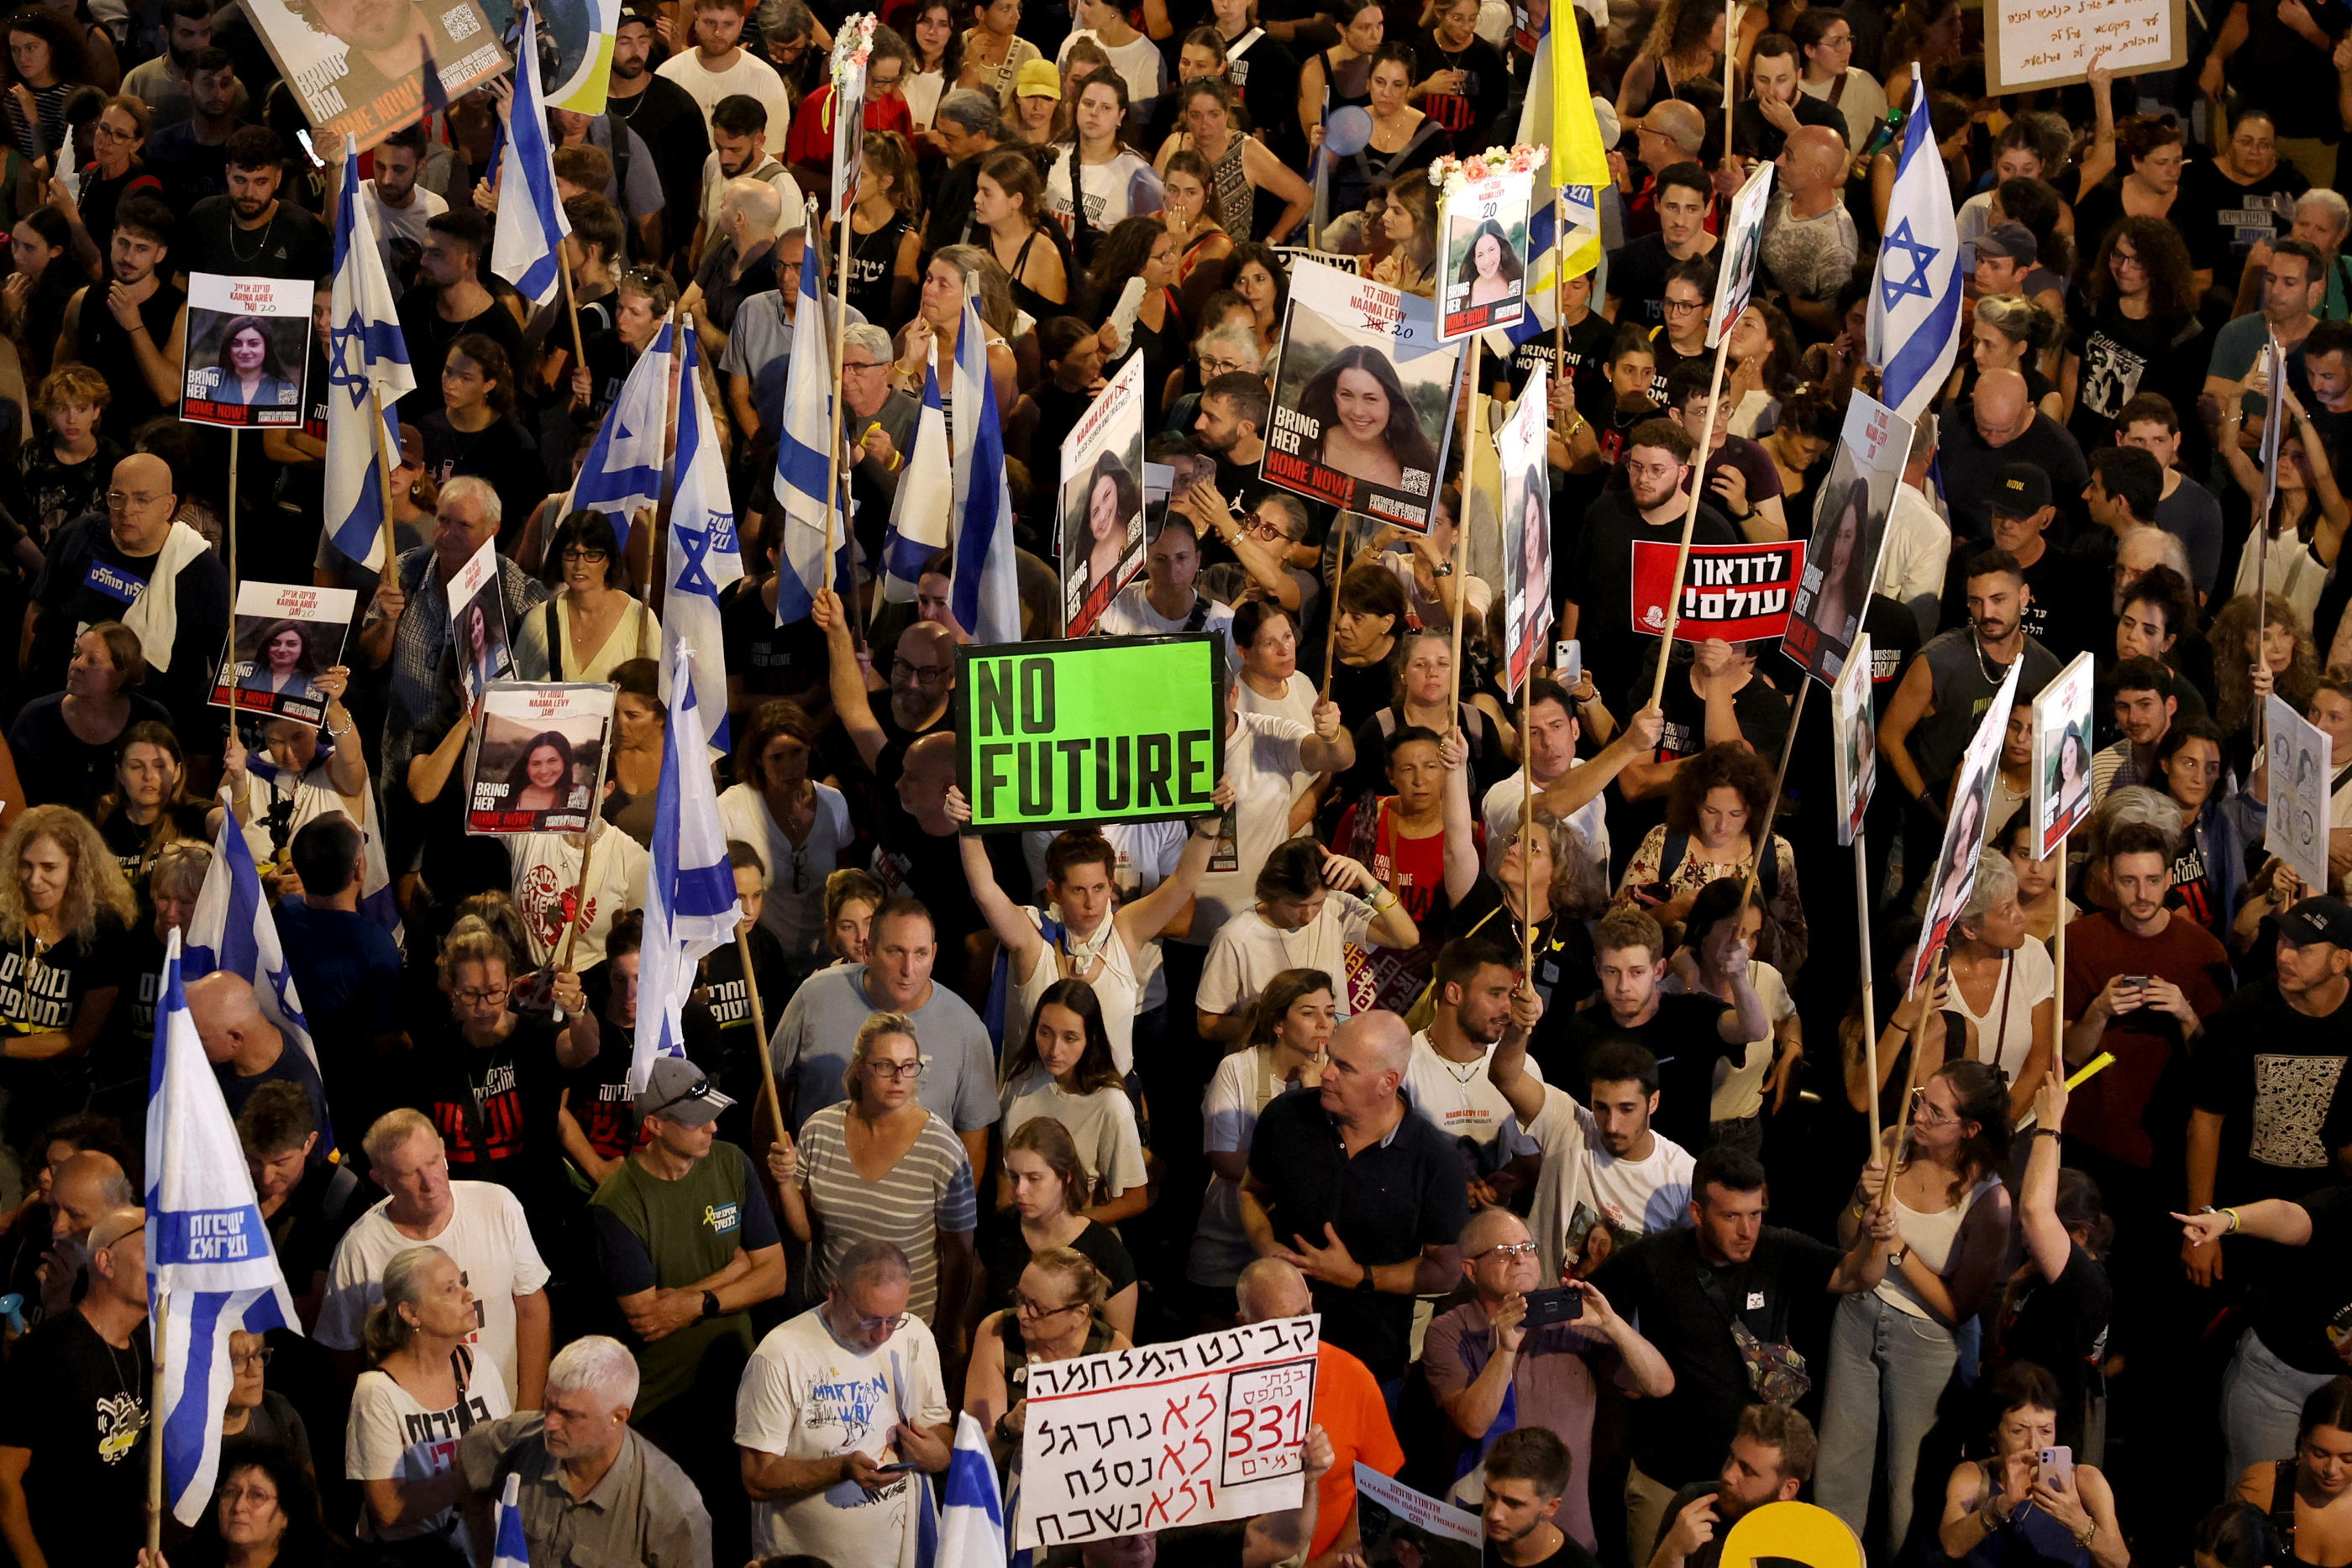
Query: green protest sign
[[1102, 729]]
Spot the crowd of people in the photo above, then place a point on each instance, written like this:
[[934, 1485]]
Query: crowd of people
[[1476, 1022]]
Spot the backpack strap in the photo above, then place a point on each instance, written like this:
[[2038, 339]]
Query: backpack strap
[[1200, 616]]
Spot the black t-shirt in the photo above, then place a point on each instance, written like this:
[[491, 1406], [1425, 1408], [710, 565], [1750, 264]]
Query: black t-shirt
[[2271, 1073], [1672, 1293], [2069, 614], [1470, 114], [2301, 1310], [1753, 136], [1637, 280], [1684, 1034], [1588, 346], [2061, 1325], [495, 1105], [1569, 1554], [2222, 219], [81, 1405], [292, 244], [598, 1096], [501, 452], [1563, 950], [1006, 1253], [88, 580], [1602, 584], [130, 842], [2122, 358], [1762, 713], [770, 660], [429, 336], [45, 995]]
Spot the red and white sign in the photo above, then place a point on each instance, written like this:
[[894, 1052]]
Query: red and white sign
[[1738, 592]]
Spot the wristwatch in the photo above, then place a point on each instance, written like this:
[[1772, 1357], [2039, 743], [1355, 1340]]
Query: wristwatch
[[1365, 1284], [709, 1303]]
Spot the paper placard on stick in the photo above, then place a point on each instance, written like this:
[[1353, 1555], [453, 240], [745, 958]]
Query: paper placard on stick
[[284, 636], [477, 623], [2051, 43], [1400, 1525], [1964, 827], [1292, 254], [1743, 239], [370, 86], [1483, 271], [1520, 446], [1849, 513], [1853, 726], [1102, 500], [1205, 1428], [2300, 761], [537, 754], [1737, 592], [1363, 398], [1106, 729], [2062, 754], [575, 48], [249, 347]]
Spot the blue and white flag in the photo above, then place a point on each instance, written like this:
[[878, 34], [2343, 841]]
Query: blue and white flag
[[703, 557], [986, 599], [690, 902], [1914, 297], [925, 496], [621, 474], [365, 352], [802, 455], [513, 1547], [525, 246], [971, 1519], [210, 1270], [231, 929]]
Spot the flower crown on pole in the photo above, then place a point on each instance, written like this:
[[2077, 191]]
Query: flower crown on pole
[[853, 41], [1451, 174]]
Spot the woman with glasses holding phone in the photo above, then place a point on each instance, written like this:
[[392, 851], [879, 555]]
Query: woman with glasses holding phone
[[1056, 1315], [878, 1166], [798, 826]]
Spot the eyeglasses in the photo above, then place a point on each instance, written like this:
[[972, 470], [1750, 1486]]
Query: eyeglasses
[[1266, 527], [849, 365], [251, 1358], [586, 554], [888, 1325], [120, 500], [1682, 307], [896, 1068], [112, 134], [701, 1091], [1213, 368], [474, 999], [1510, 1251], [1029, 1307], [921, 674], [873, 80], [1926, 1113]]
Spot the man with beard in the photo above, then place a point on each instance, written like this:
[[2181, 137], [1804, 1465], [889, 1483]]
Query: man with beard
[[1232, 427], [191, 157], [249, 233], [162, 84], [130, 331], [1771, 1460], [384, 52], [2062, 601], [449, 301], [739, 141], [402, 207], [1599, 606], [1447, 1080], [1761, 123], [663, 114]]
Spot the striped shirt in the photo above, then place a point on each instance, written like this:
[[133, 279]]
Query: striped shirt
[[928, 1191]]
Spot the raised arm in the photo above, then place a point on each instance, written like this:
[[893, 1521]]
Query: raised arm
[[846, 680], [1462, 866], [1022, 941], [1147, 916], [1330, 749], [1508, 1068], [2046, 1241]]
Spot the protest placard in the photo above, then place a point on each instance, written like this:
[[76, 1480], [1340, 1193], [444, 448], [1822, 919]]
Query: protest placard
[[357, 70], [1484, 265], [537, 757], [1743, 233], [576, 47], [1737, 592], [2062, 754], [478, 622], [2034, 43], [283, 636], [1520, 447], [1396, 1525], [1363, 398], [1205, 1428], [248, 343], [1964, 825], [1102, 500], [1849, 513], [1855, 721], [1111, 729], [2301, 761]]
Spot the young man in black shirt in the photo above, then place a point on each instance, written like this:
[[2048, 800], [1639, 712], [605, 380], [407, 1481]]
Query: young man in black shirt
[[2068, 611], [1599, 605], [1528, 1470], [250, 232]]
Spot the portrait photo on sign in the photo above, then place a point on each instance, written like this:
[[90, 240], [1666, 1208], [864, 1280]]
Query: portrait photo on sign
[[1854, 722], [537, 757], [2300, 759], [248, 343], [477, 623], [2061, 753], [1849, 532], [1484, 268], [356, 66], [284, 636], [1743, 239], [1520, 447], [576, 47], [1102, 500], [1964, 823], [1358, 422]]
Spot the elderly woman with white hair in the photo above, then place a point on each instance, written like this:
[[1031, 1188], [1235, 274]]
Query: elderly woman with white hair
[[2000, 986], [593, 1488], [2322, 218]]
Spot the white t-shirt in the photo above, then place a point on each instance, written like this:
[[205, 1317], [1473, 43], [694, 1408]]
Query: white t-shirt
[[547, 868], [805, 1396], [490, 1239], [1260, 758], [1918, 549], [393, 1437], [1248, 953], [795, 919], [1243, 1085], [747, 74], [1461, 1102], [402, 223], [1296, 702], [1138, 60], [1121, 189], [1130, 615], [793, 206], [1101, 1122], [1500, 810], [1432, 612], [1864, 102], [1637, 1197], [2004, 1030]]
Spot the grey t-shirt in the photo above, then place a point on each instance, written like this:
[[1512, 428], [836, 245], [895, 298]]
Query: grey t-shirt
[[2191, 514], [812, 1044]]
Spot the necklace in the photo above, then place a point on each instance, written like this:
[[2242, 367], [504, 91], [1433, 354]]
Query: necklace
[[267, 229], [1983, 669]]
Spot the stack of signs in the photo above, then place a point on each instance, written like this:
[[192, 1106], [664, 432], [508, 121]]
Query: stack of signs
[[248, 344], [1850, 514], [1526, 529], [1102, 500], [1399, 1526], [1964, 827], [477, 623], [537, 763], [1854, 722], [2301, 760], [1483, 279], [1744, 238], [359, 70], [2062, 755], [1363, 398], [285, 636]]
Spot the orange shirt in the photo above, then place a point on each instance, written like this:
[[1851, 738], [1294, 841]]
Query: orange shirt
[[1350, 1409]]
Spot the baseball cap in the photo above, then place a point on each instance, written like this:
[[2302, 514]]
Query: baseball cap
[[2021, 491], [2010, 242], [678, 1090], [2323, 919], [1038, 78]]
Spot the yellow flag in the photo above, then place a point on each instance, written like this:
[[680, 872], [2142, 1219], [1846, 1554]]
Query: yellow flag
[[1558, 113]]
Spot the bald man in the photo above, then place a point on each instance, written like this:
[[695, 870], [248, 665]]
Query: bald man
[[1996, 426], [82, 1188], [133, 562], [246, 1050], [1361, 1195], [1810, 243], [1346, 1404], [73, 1415]]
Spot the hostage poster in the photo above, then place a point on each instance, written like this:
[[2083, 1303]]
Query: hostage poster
[[1520, 446], [537, 757], [1102, 500], [283, 637], [1849, 513], [356, 66], [1485, 270], [248, 343]]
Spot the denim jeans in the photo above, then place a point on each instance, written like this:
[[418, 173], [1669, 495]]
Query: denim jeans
[[1887, 1373], [2262, 1404]]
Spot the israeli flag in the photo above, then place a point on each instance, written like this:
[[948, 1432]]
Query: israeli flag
[[802, 453], [621, 474], [986, 599], [1914, 297], [365, 352], [513, 1548], [926, 498], [972, 1522], [525, 246], [210, 1270], [690, 903], [703, 557], [231, 930]]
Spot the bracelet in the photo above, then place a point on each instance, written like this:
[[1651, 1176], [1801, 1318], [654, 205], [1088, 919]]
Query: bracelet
[[339, 734], [2236, 1220], [2090, 1533], [2045, 1132]]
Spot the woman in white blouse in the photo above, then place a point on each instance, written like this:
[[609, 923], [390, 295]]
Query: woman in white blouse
[[797, 825]]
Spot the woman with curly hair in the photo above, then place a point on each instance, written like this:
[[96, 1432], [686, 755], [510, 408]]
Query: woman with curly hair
[[1682, 58], [48, 58], [1364, 423], [1063, 1069], [2131, 170], [1763, 365], [149, 807], [1143, 246], [2249, 665], [64, 910], [2138, 332], [1712, 806]]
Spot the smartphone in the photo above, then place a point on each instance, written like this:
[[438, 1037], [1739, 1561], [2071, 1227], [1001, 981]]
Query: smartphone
[[1559, 1304], [1567, 661], [2058, 1466], [902, 1468]]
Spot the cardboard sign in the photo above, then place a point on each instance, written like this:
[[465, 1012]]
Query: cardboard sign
[[1964, 827], [1112, 729], [1363, 398], [1521, 445], [477, 623], [1737, 592], [249, 345], [2062, 754], [2050, 43], [283, 636], [1850, 514], [2302, 766], [1743, 239], [1853, 724], [1400, 1525], [360, 71], [1292, 254], [1484, 271], [1206, 1428], [537, 757], [1102, 500]]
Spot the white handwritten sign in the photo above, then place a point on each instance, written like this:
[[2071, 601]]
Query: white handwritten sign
[[2049, 43], [1165, 1435]]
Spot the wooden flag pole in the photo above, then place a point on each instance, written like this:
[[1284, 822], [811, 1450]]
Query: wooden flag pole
[[2277, 410], [578, 908], [1730, 53], [572, 303], [833, 453], [759, 1031], [1869, 984], [1690, 521], [154, 1434], [1760, 841], [1910, 1076], [1461, 534], [2059, 952], [228, 527], [1331, 622], [383, 472], [1527, 827]]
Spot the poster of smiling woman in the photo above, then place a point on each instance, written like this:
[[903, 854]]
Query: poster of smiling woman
[[537, 759], [1484, 220], [285, 636], [249, 342], [1102, 500]]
